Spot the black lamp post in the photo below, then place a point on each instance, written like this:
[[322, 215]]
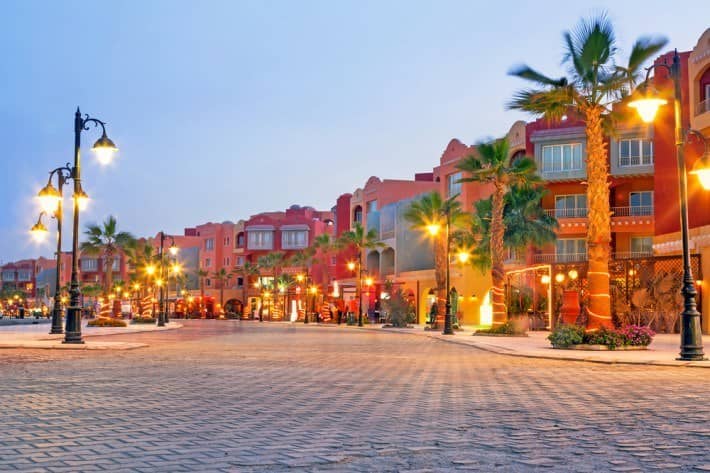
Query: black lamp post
[[434, 230], [104, 149], [691, 344], [162, 314], [51, 199]]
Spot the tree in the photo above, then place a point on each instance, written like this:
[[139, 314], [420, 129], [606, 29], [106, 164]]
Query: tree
[[248, 271], [202, 274], [525, 222], [593, 84], [106, 241], [429, 210], [222, 276], [272, 262], [491, 165]]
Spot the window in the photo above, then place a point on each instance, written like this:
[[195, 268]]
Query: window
[[560, 158], [226, 241], [291, 239], [240, 240], [571, 249], [574, 205], [372, 206], [116, 266], [24, 275], [89, 264], [208, 282], [261, 239], [333, 260], [635, 152], [208, 262], [226, 261], [240, 282], [641, 246], [453, 187], [357, 214], [641, 203], [8, 275], [240, 261], [209, 244]]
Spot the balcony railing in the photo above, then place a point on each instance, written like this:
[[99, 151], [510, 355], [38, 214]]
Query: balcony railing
[[561, 258], [634, 211], [702, 107], [627, 161], [633, 254], [567, 213]]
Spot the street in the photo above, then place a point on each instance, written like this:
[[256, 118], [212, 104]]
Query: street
[[244, 396]]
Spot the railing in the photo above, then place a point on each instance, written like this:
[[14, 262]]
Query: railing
[[633, 254], [635, 161], [560, 258], [634, 211], [702, 107], [567, 213]]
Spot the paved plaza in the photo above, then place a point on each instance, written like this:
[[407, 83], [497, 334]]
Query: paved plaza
[[244, 396]]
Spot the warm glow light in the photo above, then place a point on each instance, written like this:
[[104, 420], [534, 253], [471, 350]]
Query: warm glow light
[[190, 299], [173, 250], [368, 281], [82, 200], [545, 279], [632, 272], [49, 198], [176, 268], [486, 311], [351, 265], [299, 277], [38, 231], [282, 288], [701, 168], [647, 107], [150, 270], [573, 274], [136, 286], [159, 282], [313, 289], [559, 277], [463, 256], [267, 294], [433, 229], [256, 284], [104, 149], [474, 297], [125, 295], [698, 282]]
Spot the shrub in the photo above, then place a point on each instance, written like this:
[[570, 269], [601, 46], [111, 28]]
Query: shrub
[[106, 322], [508, 328], [565, 335], [605, 336], [143, 320], [398, 308], [637, 336]]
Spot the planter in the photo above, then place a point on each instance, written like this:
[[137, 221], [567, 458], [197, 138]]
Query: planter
[[585, 347], [485, 334]]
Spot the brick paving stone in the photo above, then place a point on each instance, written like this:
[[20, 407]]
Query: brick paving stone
[[248, 397]]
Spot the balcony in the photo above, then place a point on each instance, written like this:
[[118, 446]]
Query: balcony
[[702, 107], [633, 254], [560, 258], [567, 213], [634, 211]]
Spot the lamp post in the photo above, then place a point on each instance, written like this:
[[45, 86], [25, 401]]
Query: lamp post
[[162, 314], [104, 149], [358, 288], [304, 280], [433, 230], [691, 344]]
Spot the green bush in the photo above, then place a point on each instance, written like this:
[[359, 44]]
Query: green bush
[[143, 320], [565, 335], [508, 328], [605, 336], [106, 322]]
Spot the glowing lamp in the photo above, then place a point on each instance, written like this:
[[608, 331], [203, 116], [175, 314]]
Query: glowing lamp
[[368, 281], [49, 198], [299, 277], [136, 286], [313, 289], [545, 279], [159, 282], [351, 265], [559, 277], [433, 229], [38, 231], [463, 256], [573, 274], [104, 149], [175, 269], [173, 250], [701, 168], [82, 199], [646, 104], [150, 270]]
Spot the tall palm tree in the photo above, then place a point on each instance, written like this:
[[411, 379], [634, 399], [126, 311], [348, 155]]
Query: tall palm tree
[[104, 240], [595, 81], [272, 262], [491, 165], [222, 277], [425, 211], [323, 245], [248, 271], [202, 274]]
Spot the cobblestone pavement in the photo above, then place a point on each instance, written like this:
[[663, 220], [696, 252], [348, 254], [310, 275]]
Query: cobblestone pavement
[[244, 396]]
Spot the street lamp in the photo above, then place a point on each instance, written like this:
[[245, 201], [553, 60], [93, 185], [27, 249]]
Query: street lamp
[[691, 343], [358, 288], [162, 313], [434, 229], [104, 149]]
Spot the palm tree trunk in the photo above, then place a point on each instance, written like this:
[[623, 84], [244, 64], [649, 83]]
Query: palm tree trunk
[[202, 297], [500, 313], [107, 308], [599, 230], [440, 279]]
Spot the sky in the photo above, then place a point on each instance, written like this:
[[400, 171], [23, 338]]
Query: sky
[[224, 109]]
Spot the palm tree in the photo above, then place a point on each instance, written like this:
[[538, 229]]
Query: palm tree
[[272, 262], [594, 82], [222, 276], [492, 165], [202, 274], [422, 214], [525, 222], [105, 240], [249, 270]]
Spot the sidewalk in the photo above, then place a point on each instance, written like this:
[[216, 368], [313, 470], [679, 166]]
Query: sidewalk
[[662, 352], [37, 336]]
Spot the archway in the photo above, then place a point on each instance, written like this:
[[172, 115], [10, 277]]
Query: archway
[[387, 261], [373, 264], [234, 306]]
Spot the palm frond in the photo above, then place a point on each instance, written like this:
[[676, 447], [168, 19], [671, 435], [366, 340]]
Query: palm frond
[[526, 72]]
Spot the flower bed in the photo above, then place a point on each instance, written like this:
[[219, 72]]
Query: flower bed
[[508, 329], [629, 337], [106, 322]]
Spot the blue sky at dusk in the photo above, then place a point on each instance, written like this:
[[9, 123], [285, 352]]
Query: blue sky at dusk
[[222, 109]]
